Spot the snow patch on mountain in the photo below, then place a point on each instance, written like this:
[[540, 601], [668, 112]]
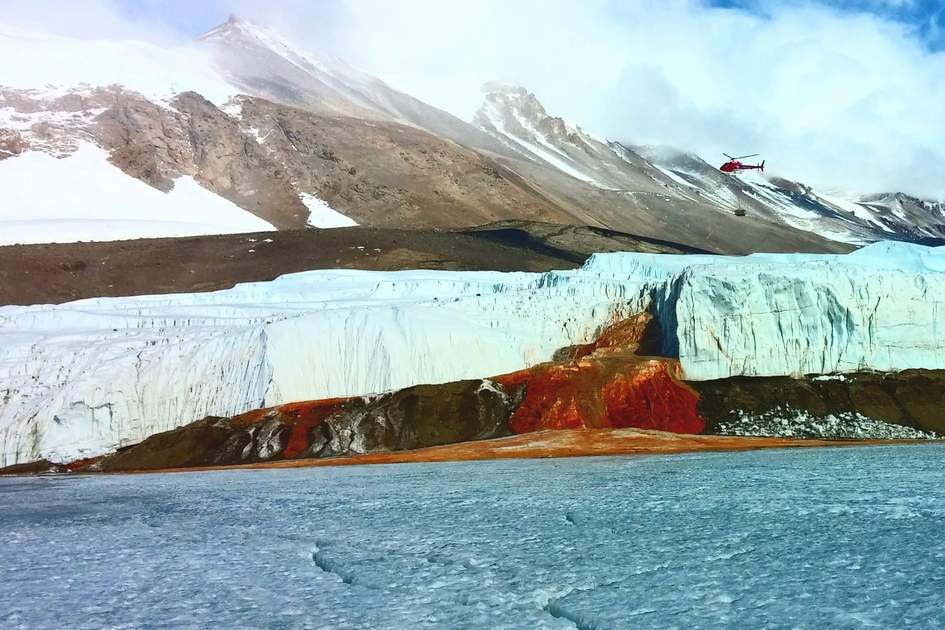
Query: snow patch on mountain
[[321, 215], [52, 130], [83, 197]]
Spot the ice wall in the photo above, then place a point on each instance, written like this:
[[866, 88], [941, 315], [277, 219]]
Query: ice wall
[[84, 377], [879, 308], [814, 319]]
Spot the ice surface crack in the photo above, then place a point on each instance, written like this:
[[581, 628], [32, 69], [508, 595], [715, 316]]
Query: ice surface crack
[[328, 566], [553, 608]]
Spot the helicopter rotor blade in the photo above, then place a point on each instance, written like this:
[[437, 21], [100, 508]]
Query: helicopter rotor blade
[[747, 156], [728, 156]]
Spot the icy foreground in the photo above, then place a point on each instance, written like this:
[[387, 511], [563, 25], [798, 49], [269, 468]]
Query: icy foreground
[[646, 542], [85, 377]]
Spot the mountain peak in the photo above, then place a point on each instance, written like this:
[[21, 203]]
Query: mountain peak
[[494, 87], [237, 27], [514, 112]]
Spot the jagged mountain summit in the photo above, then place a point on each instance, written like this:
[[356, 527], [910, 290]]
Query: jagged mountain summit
[[242, 131], [517, 118]]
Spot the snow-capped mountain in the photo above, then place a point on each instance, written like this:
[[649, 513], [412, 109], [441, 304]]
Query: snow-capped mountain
[[261, 62], [241, 130], [855, 220], [517, 118]]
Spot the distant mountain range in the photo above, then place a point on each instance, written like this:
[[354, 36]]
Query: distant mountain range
[[241, 131]]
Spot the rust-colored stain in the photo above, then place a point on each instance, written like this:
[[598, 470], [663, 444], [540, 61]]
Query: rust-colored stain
[[606, 384], [650, 398], [81, 464], [621, 337], [302, 417], [565, 443], [604, 393]]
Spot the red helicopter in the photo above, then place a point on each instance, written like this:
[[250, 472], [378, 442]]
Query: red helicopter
[[734, 164]]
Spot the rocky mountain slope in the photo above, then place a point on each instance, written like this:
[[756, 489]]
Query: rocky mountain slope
[[296, 139], [515, 117], [260, 62], [81, 378]]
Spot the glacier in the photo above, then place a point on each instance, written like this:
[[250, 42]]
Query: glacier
[[83, 378]]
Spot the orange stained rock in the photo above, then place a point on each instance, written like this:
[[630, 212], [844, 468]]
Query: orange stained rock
[[566, 443], [80, 464], [607, 384], [651, 399], [622, 336], [301, 417], [592, 393]]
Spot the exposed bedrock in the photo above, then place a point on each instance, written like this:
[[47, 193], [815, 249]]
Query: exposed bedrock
[[913, 399], [603, 384], [591, 392], [416, 417]]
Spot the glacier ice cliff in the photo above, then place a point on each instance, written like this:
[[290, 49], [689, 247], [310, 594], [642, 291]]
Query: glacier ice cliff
[[82, 378]]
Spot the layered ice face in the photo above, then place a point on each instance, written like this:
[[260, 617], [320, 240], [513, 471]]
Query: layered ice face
[[879, 308], [82, 378]]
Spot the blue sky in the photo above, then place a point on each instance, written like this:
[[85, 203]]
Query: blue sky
[[926, 18]]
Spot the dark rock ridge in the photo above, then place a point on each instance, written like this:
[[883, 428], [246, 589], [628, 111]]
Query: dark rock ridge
[[55, 273], [914, 399], [38, 467], [416, 417]]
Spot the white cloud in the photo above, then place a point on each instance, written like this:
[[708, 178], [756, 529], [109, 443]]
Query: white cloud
[[837, 99], [831, 97], [86, 19]]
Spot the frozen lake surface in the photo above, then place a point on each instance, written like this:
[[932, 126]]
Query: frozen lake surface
[[842, 538]]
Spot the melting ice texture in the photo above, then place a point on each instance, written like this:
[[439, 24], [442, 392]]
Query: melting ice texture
[[826, 538], [81, 378]]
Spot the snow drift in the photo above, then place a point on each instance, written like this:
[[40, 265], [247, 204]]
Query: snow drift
[[83, 197]]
